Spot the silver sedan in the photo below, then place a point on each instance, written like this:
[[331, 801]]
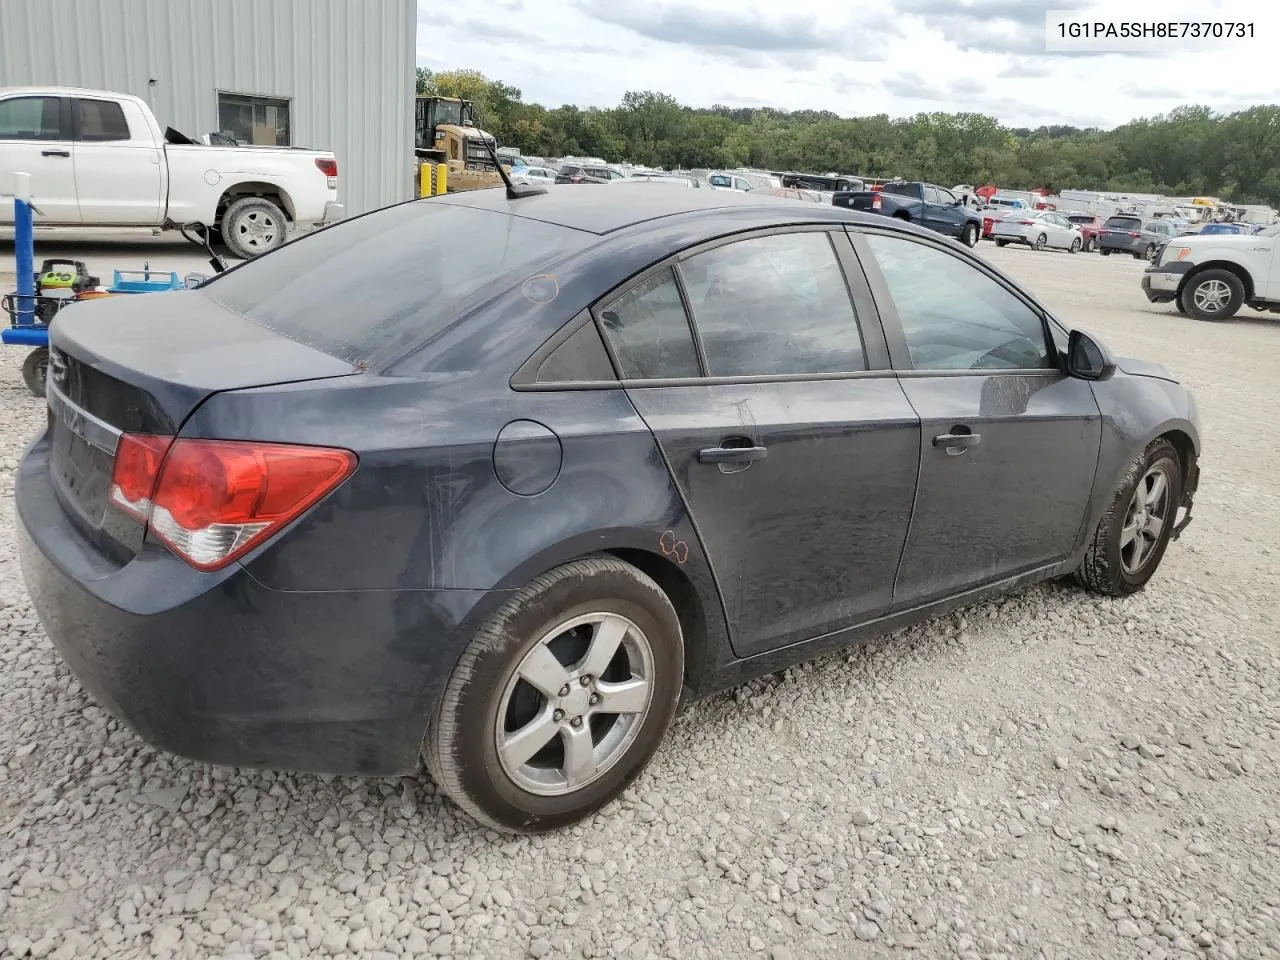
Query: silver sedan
[[1038, 229]]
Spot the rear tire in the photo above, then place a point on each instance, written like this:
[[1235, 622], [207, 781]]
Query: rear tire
[[1214, 296], [1125, 552], [1090, 245], [558, 630], [1041, 240], [1002, 243], [1105, 252], [35, 370], [253, 226]]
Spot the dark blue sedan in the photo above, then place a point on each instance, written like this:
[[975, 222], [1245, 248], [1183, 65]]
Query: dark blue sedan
[[501, 481]]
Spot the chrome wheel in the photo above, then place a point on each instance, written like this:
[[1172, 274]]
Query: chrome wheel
[[574, 704], [1041, 241], [1212, 296], [1145, 520], [257, 230]]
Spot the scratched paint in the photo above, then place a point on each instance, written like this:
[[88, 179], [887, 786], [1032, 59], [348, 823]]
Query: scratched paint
[[541, 288], [671, 547]]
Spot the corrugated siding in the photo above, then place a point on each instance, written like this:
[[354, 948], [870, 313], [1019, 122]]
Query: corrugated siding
[[346, 65]]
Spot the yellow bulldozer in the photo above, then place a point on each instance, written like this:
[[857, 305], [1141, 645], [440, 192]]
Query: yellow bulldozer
[[451, 152]]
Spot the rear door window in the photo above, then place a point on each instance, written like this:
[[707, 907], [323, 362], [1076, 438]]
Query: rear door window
[[379, 285], [97, 121], [773, 306]]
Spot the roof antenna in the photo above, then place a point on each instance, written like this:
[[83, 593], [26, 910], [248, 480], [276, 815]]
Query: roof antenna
[[514, 191]]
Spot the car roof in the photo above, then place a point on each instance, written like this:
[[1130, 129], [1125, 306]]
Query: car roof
[[627, 204]]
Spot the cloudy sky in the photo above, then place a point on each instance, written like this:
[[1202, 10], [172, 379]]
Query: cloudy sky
[[852, 56]]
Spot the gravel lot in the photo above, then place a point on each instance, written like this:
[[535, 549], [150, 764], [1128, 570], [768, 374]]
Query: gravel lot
[[1049, 775]]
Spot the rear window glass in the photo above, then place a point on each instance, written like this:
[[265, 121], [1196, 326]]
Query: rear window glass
[[381, 284], [1126, 222]]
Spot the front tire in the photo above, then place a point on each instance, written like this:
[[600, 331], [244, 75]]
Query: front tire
[[969, 236], [523, 738], [1214, 295], [253, 226], [1075, 246], [1132, 535]]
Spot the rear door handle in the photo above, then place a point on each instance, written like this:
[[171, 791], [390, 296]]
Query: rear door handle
[[55, 153], [732, 454], [957, 442]]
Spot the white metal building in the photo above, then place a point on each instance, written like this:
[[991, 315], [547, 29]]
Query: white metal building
[[325, 74]]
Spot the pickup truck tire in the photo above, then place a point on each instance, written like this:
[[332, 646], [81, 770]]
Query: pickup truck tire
[[969, 235], [253, 226], [1213, 295]]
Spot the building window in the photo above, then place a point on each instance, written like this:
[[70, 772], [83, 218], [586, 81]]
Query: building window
[[262, 121]]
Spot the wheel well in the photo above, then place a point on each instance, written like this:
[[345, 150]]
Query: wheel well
[[1186, 451], [267, 191], [1226, 265], [684, 597], [902, 215]]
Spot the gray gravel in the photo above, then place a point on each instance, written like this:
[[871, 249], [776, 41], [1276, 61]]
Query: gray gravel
[[1048, 775]]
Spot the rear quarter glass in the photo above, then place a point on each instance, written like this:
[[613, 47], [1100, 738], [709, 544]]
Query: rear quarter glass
[[375, 287]]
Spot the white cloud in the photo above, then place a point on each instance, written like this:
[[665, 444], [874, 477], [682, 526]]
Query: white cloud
[[852, 57]]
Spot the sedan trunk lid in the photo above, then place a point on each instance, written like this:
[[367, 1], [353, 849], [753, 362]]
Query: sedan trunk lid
[[142, 364]]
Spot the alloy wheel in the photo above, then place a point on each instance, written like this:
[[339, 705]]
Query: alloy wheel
[[1144, 520], [1212, 296], [574, 704]]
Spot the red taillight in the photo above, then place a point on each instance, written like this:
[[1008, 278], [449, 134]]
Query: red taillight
[[328, 166], [133, 475], [1135, 234], [875, 202], [211, 501]]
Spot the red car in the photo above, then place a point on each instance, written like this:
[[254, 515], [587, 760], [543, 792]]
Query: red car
[[1089, 225]]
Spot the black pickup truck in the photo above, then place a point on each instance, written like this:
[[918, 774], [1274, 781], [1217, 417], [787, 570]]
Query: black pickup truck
[[924, 203]]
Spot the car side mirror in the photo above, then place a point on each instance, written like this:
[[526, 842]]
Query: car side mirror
[[1087, 358]]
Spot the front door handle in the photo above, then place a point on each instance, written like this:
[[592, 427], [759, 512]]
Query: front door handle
[[957, 443], [732, 454], [55, 153]]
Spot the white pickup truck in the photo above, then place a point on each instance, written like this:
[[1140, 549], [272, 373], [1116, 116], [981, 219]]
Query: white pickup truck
[[1211, 276], [100, 159]]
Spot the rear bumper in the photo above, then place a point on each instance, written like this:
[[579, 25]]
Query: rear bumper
[[333, 212], [1122, 246], [221, 669]]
